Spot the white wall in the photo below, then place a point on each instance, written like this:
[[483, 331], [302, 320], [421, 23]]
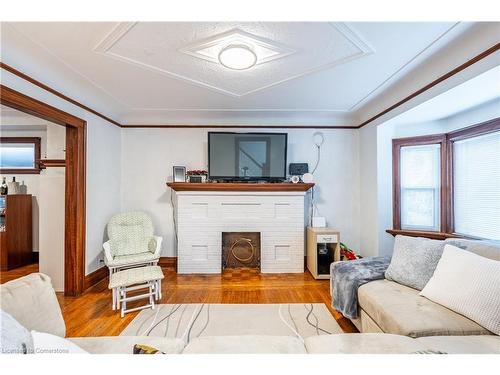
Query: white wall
[[51, 214], [368, 190], [148, 156], [473, 116]]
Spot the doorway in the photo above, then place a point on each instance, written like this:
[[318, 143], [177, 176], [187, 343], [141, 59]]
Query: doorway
[[32, 169], [74, 189]]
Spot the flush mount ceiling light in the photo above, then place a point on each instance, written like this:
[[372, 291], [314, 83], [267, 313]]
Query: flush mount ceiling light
[[237, 57]]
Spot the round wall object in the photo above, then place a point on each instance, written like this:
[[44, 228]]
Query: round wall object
[[308, 178], [295, 179], [318, 139]]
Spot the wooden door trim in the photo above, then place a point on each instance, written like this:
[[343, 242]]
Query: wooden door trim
[[74, 223]]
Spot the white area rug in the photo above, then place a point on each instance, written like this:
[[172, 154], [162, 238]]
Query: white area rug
[[188, 321]]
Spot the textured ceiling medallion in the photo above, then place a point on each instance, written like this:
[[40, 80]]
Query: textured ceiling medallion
[[237, 45]]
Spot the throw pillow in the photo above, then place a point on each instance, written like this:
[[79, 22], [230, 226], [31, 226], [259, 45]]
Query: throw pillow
[[414, 260], [45, 343], [130, 246], [15, 339], [468, 284], [145, 349]]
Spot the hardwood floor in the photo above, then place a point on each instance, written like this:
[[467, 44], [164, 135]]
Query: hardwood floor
[[90, 314], [17, 272]]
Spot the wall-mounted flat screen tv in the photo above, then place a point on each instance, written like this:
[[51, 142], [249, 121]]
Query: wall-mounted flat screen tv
[[247, 156]]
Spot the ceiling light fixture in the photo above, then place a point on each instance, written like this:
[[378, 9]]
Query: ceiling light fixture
[[237, 57]]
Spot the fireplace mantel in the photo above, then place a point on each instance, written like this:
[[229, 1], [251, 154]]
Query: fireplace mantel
[[204, 211], [235, 186]]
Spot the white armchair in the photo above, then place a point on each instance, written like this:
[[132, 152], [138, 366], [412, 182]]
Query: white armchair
[[131, 243], [132, 260]]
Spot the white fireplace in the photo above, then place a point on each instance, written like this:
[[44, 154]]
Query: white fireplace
[[202, 217]]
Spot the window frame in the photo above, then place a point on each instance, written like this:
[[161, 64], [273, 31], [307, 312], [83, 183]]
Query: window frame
[[37, 143], [399, 143], [446, 140], [460, 135]]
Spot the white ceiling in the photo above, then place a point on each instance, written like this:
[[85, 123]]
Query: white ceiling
[[318, 73], [481, 89]]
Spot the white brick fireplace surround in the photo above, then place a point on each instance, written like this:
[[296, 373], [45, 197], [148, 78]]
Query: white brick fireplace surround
[[202, 217]]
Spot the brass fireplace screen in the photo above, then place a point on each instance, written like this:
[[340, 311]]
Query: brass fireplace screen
[[240, 250]]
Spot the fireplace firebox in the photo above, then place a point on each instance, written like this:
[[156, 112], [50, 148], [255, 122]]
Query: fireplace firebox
[[240, 250]]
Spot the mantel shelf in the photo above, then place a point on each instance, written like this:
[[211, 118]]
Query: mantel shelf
[[224, 186]]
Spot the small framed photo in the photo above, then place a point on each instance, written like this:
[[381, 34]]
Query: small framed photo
[[179, 174]]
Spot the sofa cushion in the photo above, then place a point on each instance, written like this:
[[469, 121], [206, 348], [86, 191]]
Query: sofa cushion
[[414, 260], [46, 343], [31, 300], [484, 344], [487, 249], [14, 338], [362, 343], [245, 345], [468, 284], [125, 344], [398, 309]]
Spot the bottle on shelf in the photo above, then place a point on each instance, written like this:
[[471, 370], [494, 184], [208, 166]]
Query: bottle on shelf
[[3, 188], [23, 189], [13, 187]]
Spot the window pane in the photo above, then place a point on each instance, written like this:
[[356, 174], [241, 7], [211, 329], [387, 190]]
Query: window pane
[[420, 185], [418, 208], [17, 155], [476, 186]]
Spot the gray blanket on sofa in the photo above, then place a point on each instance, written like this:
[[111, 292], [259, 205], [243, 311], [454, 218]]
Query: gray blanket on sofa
[[347, 277]]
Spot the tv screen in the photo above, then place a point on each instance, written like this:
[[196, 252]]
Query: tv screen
[[247, 156]]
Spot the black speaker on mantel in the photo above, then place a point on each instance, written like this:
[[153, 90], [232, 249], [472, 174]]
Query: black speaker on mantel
[[298, 169]]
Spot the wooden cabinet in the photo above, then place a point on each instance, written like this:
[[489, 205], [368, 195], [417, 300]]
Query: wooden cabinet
[[323, 248], [16, 242]]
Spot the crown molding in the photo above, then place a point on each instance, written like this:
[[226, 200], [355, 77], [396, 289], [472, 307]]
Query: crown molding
[[437, 81], [416, 93], [43, 86], [153, 126]]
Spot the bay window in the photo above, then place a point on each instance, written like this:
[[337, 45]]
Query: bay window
[[448, 184]]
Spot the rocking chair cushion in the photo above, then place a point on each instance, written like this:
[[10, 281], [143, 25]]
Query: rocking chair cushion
[[122, 260], [130, 233]]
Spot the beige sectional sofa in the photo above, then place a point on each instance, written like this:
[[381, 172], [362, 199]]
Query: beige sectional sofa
[[388, 307], [33, 303]]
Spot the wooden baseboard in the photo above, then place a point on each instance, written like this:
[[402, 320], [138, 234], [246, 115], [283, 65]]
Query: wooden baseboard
[[94, 277], [168, 262]]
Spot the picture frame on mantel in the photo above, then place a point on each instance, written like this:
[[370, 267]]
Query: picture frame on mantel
[[179, 174]]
